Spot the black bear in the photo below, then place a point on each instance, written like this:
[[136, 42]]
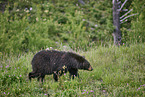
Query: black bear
[[55, 62]]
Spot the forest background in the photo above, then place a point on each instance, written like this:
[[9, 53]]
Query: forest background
[[28, 25]]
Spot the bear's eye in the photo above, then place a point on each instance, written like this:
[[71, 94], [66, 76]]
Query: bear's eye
[[86, 64]]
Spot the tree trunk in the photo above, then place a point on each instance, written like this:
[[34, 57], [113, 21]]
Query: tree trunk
[[3, 6], [82, 2], [116, 23]]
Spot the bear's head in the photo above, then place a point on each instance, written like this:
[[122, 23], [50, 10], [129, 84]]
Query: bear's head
[[81, 61], [87, 66]]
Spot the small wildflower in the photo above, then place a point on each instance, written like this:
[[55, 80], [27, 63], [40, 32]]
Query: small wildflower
[[47, 48], [64, 67], [142, 85], [4, 93], [83, 19], [27, 11], [45, 94], [7, 66], [104, 91], [64, 73], [127, 84], [20, 75], [65, 46], [30, 8], [9, 75], [92, 28], [91, 91], [17, 10], [37, 19], [51, 48], [96, 25], [46, 11], [138, 89], [44, 19], [123, 43], [83, 92], [87, 92], [56, 42]]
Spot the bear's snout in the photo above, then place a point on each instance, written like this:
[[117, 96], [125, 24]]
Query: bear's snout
[[90, 68]]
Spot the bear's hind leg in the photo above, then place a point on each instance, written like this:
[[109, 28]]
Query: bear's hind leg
[[41, 76], [33, 75]]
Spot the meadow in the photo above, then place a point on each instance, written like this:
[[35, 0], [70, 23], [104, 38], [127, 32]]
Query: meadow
[[118, 72], [27, 26]]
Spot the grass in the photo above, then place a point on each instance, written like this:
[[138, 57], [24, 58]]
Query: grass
[[118, 71]]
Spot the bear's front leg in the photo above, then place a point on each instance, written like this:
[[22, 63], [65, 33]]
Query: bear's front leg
[[73, 72], [55, 76]]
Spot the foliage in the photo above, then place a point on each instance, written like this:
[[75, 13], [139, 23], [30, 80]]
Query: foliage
[[34, 25], [138, 25], [37, 26], [117, 72], [133, 29]]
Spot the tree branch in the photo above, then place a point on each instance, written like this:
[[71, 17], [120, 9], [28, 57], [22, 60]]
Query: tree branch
[[128, 17], [122, 5], [123, 21], [126, 13], [119, 2], [124, 10]]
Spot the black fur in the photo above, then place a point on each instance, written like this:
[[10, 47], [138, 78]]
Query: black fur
[[54, 62]]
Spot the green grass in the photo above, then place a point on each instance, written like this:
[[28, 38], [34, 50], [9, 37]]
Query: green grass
[[118, 72]]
